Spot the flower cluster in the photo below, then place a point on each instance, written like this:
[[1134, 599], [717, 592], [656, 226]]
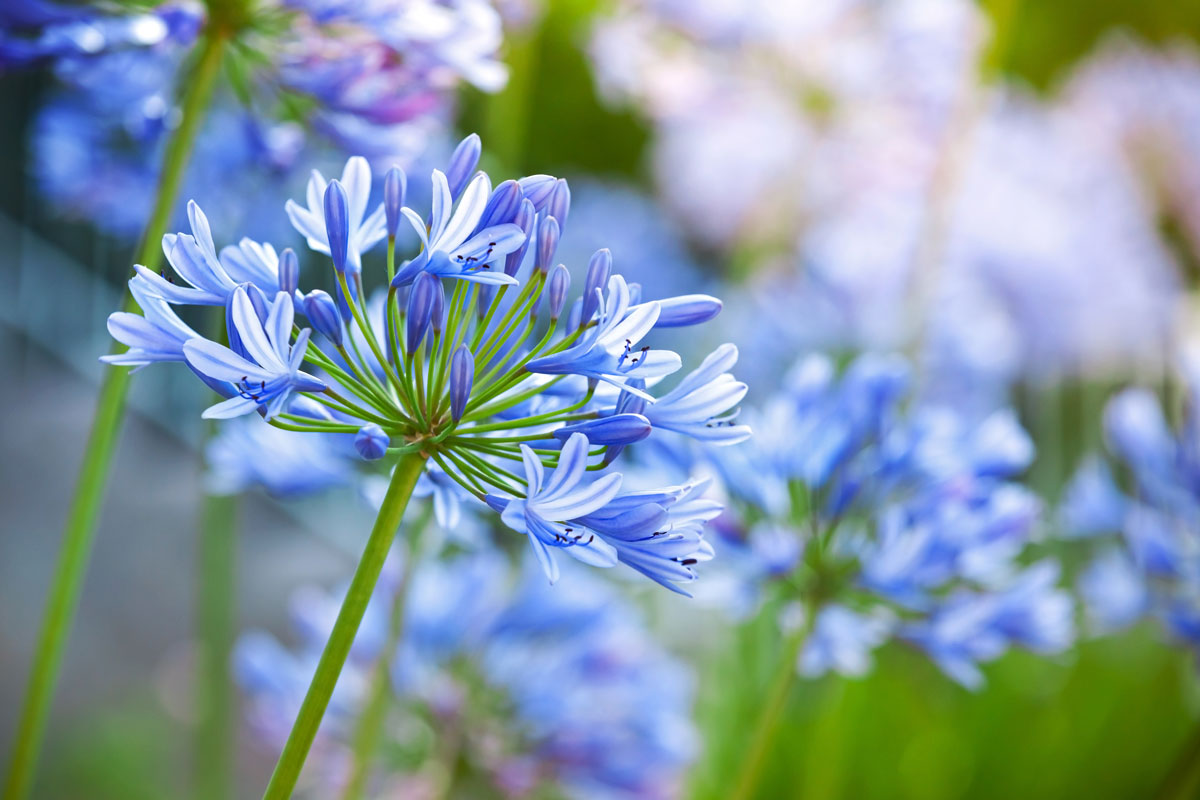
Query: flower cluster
[[883, 522], [527, 690], [471, 357], [1145, 537], [374, 78]]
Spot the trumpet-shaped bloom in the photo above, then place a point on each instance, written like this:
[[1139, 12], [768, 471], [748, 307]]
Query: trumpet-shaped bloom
[[363, 231], [157, 334], [271, 374], [545, 514], [609, 351], [697, 406], [451, 246]]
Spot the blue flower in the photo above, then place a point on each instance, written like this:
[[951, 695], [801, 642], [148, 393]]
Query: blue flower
[[608, 351], [553, 501], [273, 376], [451, 246], [589, 704], [364, 231], [251, 453], [842, 641], [155, 335], [696, 405]]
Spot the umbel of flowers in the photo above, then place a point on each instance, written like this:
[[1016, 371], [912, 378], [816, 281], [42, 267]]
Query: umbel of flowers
[[470, 357], [891, 522]]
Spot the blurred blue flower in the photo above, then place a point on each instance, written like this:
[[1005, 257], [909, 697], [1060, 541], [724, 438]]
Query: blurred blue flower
[[1145, 531], [890, 521], [550, 690]]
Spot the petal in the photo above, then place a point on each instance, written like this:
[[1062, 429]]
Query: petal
[[356, 178], [219, 362], [572, 462], [594, 551], [233, 407], [582, 500], [279, 325], [533, 470], [544, 557], [466, 215], [253, 337], [440, 214]]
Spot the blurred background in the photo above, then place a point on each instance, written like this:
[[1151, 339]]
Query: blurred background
[[1006, 192]]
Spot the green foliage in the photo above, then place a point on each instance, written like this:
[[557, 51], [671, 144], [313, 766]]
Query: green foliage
[[1041, 41]]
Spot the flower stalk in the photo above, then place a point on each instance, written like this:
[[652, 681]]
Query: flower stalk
[[337, 649], [79, 531]]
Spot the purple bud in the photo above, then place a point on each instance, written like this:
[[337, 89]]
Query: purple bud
[[525, 217], [619, 429], [337, 224], [289, 271], [627, 405], [395, 186], [576, 315], [538, 188], [371, 442], [487, 293], [437, 315], [420, 308], [635, 293], [462, 164], [547, 244], [556, 290], [502, 206], [560, 203], [598, 272], [687, 309], [462, 375], [323, 313]]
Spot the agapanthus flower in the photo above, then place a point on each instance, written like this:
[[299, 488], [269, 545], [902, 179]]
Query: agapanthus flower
[[880, 521], [545, 691], [470, 377], [1144, 530]]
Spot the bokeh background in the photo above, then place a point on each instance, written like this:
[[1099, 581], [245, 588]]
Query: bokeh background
[[1007, 191]]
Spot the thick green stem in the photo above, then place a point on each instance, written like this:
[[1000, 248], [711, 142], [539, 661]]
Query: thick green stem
[[333, 658], [93, 474], [216, 626], [374, 711], [1183, 778], [767, 725]]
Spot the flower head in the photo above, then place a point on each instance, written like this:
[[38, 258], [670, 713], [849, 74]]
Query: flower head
[[505, 404]]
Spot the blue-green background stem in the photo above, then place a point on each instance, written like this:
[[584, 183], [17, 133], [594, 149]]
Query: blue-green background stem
[[78, 535]]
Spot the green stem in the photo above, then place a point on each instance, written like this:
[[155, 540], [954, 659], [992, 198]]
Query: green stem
[[216, 624], [333, 658], [79, 532], [374, 711], [1183, 778], [767, 725]]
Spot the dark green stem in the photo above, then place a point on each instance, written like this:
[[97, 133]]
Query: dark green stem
[[337, 649], [374, 710], [216, 625], [79, 532]]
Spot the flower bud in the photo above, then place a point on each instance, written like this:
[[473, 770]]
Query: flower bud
[[502, 206], [487, 293], [598, 272], [525, 217], [395, 186], [560, 203], [437, 315], [556, 290], [462, 376], [537, 189], [420, 308], [462, 164], [289, 271], [574, 319], [323, 313], [371, 442], [547, 244], [687, 309], [337, 224], [618, 429]]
